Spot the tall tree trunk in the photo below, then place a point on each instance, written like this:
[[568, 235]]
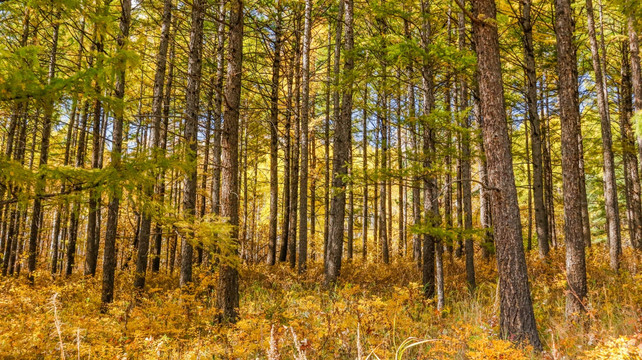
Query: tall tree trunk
[[629, 158], [157, 108], [541, 220], [334, 81], [364, 244], [571, 172], [36, 215], [287, 204], [109, 260], [93, 232], [191, 130], [294, 175], [383, 210], [636, 81], [274, 142], [216, 103], [431, 192], [305, 112], [610, 185], [342, 144], [517, 321], [228, 283], [161, 186], [548, 168]]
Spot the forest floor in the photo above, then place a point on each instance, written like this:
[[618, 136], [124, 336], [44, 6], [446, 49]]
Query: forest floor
[[375, 311]]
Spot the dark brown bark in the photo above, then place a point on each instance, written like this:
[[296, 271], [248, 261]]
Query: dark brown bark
[[383, 209], [157, 108], [364, 236], [274, 142], [296, 148], [109, 260], [191, 130], [541, 216], [517, 321], [36, 213], [305, 111], [610, 185], [636, 82], [571, 171], [287, 204], [228, 283], [629, 158], [430, 190], [342, 144], [93, 233]]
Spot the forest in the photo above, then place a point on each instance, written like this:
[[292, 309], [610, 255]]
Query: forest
[[320, 179]]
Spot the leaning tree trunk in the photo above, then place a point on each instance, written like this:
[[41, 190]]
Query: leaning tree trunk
[[517, 321]]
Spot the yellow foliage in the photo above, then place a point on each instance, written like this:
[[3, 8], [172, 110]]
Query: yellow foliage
[[384, 303]]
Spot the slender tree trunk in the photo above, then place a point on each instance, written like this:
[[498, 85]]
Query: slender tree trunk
[[517, 321], [342, 144], [305, 111], [610, 185], [571, 172], [274, 142], [161, 187], [93, 233], [529, 238], [109, 261], [364, 244], [629, 158], [541, 217], [36, 213], [157, 108], [431, 192], [636, 81], [294, 175], [383, 212], [191, 130], [228, 283]]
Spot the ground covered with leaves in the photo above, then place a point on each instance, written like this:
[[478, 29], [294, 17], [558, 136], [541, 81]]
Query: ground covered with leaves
[[375, 311]]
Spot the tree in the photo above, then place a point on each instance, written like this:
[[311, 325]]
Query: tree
[[610, 191], [274, 140], [228, 284], [570, 121], [305, 112], [36, 215], [541, 220], [157, 107], [342, 144], [109, 260], [517, 321], [191, 129]]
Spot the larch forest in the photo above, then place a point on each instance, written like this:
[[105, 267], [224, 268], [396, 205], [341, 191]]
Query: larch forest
[[320, 179]]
